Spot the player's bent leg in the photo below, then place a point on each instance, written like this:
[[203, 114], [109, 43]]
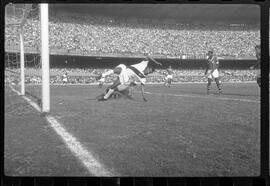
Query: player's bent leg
[[218, 85], [121, 88], [259, 81], [165, 82], [169, 82], [116, 91], [121, 91], [124, 90], [209, 80], [110, 90]]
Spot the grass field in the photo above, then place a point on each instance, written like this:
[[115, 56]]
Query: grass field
[[180, 131]]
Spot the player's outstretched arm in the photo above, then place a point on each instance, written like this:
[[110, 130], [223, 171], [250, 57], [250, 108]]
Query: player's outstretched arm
[[109, 72], [150, 58]]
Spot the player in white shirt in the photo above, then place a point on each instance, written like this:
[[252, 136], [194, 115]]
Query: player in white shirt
[[169, 77], [128, 75], [65, 78]]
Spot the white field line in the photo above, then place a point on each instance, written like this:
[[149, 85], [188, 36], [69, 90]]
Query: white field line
[[205, 97], [33, 104], [93, 166]]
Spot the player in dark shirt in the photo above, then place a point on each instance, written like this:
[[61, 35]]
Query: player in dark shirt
[[211, 71], [257, 66]]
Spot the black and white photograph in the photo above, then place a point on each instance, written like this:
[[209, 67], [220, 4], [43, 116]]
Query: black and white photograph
[[132, 90]]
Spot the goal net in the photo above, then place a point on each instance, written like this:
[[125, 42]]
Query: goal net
[[24, 52]]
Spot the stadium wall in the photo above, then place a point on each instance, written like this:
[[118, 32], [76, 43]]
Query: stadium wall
[[111, 62]]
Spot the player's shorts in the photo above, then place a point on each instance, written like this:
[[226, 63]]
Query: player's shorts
[[214, 74], [169, 77], [122, 87], [65, 80]]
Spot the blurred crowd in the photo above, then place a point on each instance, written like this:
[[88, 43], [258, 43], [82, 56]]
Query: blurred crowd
[[97, 35], [88, 76]]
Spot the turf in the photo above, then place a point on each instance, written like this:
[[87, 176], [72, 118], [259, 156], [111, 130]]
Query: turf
[[180, 131], [31, 148]]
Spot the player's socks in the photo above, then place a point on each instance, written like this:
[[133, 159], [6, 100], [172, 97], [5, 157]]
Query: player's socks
[[169, 83], [107, 95], [209, 85], [218, 85], [100, 85]]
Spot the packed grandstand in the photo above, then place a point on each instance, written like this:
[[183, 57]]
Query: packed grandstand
[[89, 35], [97, 35]]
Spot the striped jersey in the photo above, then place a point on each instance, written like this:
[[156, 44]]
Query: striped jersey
[[133, 73], [212, 63]]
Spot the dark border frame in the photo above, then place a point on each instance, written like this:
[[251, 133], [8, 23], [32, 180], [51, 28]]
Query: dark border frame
[[263, 179]]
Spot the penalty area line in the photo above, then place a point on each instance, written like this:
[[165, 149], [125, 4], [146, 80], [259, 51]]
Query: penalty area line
[[93, 166], [205, 97]]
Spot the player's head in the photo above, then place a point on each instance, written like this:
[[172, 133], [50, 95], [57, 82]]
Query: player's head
[[210, 53], [170, 67]]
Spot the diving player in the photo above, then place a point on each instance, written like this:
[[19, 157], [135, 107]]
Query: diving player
[[126, 76]]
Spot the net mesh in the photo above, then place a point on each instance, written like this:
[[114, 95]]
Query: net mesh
[[23, 19]]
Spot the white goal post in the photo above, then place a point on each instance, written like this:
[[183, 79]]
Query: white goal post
[[19, 21], [22, 63], [45, 57]]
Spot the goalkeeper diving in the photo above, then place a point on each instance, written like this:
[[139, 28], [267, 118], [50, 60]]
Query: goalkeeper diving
[[128, 76]]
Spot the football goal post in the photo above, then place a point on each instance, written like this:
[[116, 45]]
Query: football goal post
[[27, 52]]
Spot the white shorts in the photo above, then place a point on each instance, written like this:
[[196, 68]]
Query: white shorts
[[122, 87], [214, 74], [169, 77], [65, 80]]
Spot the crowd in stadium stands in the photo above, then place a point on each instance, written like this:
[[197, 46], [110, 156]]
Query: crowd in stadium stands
[[87, 76], [96, 35]]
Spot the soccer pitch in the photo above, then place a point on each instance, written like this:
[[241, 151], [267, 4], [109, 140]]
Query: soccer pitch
[[180, 131]]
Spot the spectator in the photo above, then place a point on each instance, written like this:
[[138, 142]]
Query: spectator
[[106, 35]]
